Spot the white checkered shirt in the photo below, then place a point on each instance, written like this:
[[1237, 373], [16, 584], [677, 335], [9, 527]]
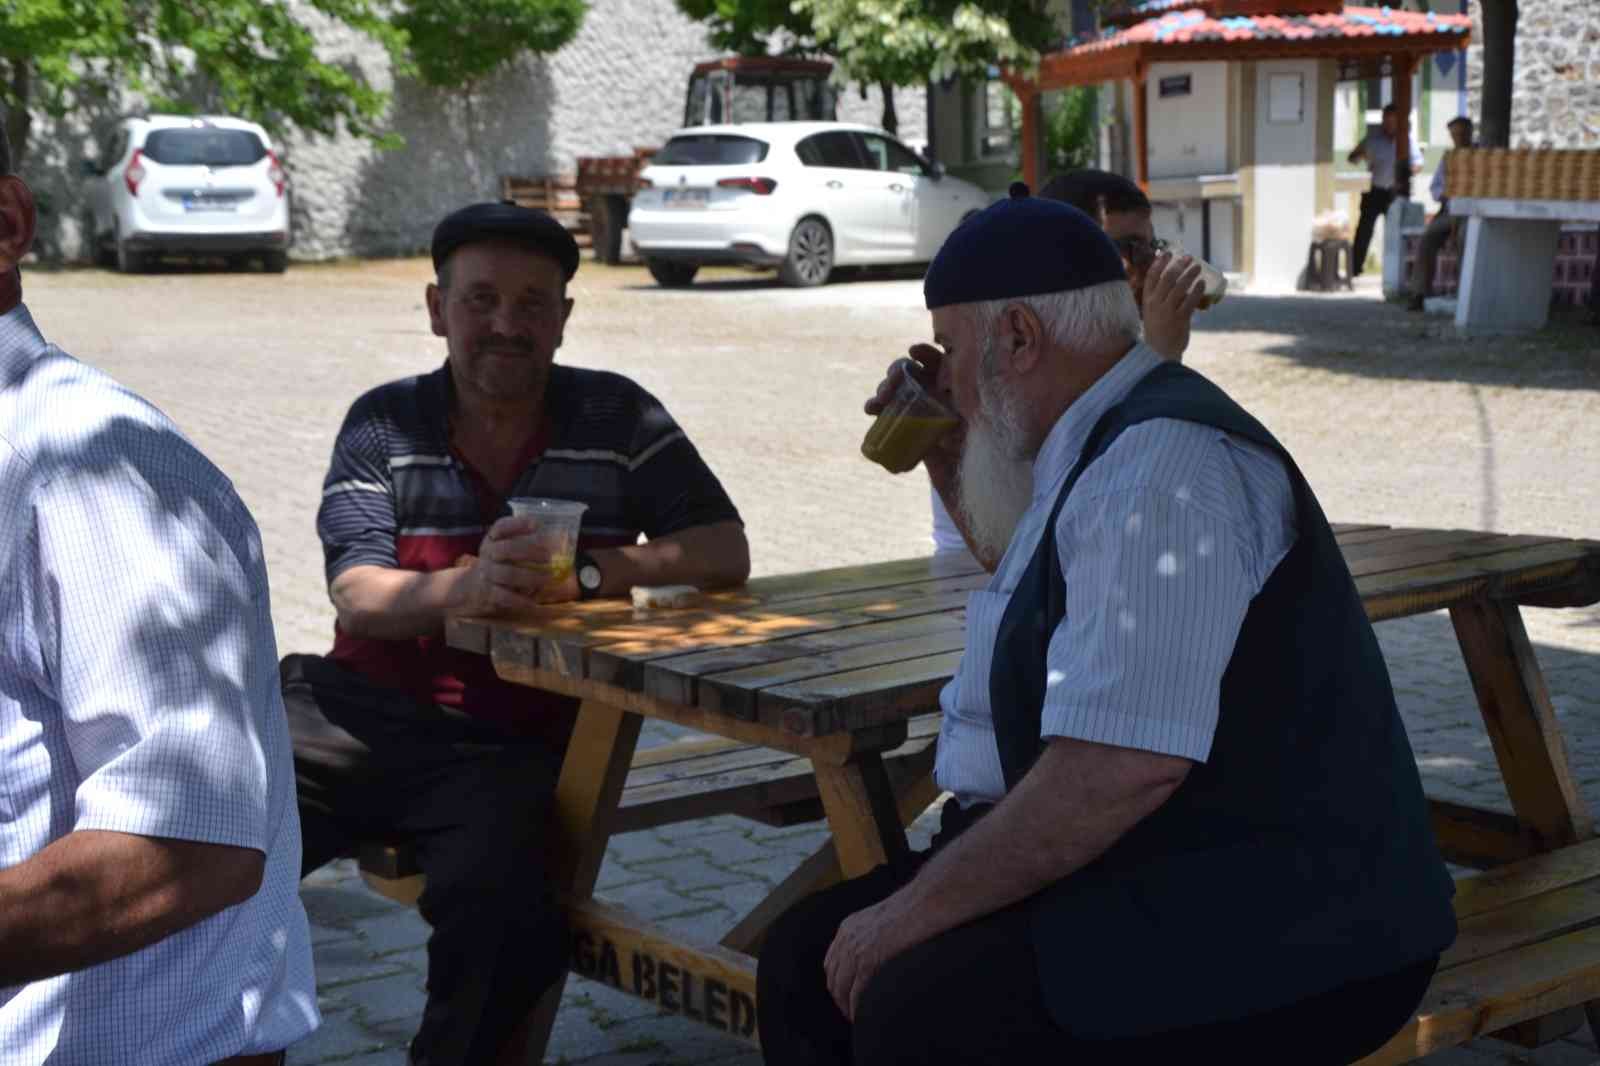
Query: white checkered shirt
[[139, 693]]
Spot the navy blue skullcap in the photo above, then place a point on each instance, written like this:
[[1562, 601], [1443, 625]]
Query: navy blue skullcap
[[1022, 246], [505, 221]]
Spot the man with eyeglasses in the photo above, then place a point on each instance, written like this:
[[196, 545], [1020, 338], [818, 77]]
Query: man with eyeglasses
[[1167, 290]]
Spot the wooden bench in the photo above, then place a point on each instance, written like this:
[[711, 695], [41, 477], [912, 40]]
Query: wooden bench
[[694, 777], [1529, 947]]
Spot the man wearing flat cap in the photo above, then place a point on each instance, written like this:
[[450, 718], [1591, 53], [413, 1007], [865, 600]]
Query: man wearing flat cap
[[396, 734], [1186, 823]]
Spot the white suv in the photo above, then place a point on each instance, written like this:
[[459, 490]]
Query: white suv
[[805, 197], [197, 186]]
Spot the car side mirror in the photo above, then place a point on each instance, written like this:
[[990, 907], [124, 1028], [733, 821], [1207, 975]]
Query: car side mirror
[[90, 169], [935, 169]]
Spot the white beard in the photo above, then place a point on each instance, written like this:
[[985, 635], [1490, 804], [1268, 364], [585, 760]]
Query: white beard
[[996, 472]]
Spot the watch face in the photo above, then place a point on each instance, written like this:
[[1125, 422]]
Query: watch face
[[589, 577]]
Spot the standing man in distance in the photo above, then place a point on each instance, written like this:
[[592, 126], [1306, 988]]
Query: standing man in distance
[[395, 733], [149, 846], [1378, 149]]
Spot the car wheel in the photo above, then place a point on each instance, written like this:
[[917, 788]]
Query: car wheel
[[275, 262], [129, 261], [810, 258], [672, 275]]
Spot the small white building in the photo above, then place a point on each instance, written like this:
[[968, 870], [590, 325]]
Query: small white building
[[1236, 115]]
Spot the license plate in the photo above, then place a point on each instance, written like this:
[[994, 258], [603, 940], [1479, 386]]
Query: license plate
[[685, 197], [202, 203]]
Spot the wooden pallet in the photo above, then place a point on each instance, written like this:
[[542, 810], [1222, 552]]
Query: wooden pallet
[[555, 194]]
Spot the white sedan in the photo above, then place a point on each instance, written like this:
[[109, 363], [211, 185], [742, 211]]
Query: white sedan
[[804, 197]]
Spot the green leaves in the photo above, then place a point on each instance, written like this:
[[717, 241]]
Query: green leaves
[[458, 42], [895, 42], [259, 59]]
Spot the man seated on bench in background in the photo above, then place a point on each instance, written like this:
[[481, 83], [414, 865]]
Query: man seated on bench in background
[[395, 734], [1167, 290], [1442, 227], [1186, 823]]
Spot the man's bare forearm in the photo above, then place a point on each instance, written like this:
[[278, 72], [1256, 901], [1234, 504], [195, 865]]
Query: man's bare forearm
[[1076, 801], [711, 556], [384, 603], [94, 896]]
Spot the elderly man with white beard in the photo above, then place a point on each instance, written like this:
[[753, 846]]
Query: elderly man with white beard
[[1185, 820]]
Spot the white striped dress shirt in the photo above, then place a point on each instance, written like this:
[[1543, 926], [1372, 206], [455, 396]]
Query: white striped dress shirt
[[1164, 541], [139, 693]]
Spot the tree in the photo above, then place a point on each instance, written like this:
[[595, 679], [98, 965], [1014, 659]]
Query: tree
[[1499, 61], [887, 43], [911, 42], [254, 58], [746, 26]]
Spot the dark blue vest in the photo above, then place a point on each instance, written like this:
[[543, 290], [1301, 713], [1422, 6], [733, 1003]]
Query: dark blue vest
[[1298, 857]]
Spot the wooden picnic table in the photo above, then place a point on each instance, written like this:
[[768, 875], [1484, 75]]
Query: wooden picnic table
[[830, 665]]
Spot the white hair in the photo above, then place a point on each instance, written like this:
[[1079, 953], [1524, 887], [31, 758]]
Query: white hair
[[1088, 319]]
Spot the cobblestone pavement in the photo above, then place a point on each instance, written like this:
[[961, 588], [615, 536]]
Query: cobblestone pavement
[[1392, 418]]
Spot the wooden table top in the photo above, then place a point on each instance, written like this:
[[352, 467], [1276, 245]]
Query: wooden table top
[[842, 649]]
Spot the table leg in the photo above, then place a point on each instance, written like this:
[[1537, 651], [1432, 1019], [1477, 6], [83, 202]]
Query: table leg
[[862, 813], [820, 870], [1521, 723], [1506, 274], [587, 794]]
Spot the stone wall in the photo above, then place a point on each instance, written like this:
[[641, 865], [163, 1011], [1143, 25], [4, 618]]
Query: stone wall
[[619, 84], [1556, 89]]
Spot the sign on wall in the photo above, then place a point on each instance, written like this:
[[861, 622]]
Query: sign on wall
[[1176, 85], [1286, 98]]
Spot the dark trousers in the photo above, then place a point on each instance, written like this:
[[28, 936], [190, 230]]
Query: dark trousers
[[1439, 231], [372, 763], [1374, 204], [972, 995]]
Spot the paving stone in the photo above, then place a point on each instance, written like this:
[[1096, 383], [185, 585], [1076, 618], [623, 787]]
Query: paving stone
[[386, 934], [388, 999]]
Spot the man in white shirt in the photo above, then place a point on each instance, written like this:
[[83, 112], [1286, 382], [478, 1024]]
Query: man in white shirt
[[1378, 149], [1442, 227], [1186, 822], [149, 842]]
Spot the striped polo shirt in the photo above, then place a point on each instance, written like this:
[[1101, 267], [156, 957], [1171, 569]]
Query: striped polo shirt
[[398, 495]]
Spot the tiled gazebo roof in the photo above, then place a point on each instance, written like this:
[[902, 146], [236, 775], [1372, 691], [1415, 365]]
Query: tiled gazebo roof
[[1196, 34]]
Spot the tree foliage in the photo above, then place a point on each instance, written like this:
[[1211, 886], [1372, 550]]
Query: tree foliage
[[458, 42], [909, 42], [257, 59], [887, 43], [748, 27]]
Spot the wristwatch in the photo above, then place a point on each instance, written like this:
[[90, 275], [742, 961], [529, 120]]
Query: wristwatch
[[588, 576]]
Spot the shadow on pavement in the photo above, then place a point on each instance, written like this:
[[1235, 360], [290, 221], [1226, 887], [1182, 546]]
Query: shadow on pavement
[[1371, 338]]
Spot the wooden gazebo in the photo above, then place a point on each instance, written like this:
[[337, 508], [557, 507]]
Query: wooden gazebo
[[1365, 40]]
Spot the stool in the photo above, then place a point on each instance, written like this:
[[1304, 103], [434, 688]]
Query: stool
[[1324, 270]]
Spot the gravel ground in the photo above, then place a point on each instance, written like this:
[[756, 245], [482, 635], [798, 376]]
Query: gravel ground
[[1392, 417]]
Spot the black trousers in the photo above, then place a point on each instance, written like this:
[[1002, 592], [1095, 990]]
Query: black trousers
[[1439, 231], [972, 995], [1374, 204], [372, 763]]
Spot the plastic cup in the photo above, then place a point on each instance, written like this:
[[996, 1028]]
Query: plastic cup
[[556, 533], [1214, 280], [910, 424]]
